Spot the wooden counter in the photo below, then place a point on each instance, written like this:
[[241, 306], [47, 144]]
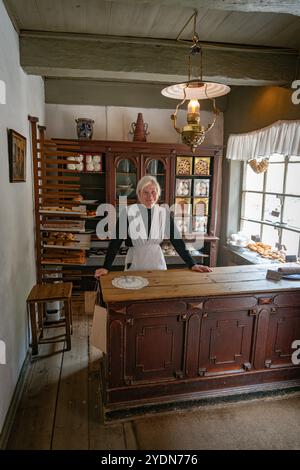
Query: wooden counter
[[190, 335]]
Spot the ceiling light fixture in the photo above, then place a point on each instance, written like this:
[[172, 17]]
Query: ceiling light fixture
[[193, 133]]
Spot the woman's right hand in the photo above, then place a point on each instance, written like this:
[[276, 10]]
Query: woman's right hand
[[100, 272]]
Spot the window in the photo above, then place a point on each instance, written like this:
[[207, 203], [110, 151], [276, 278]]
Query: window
[[271, 203]]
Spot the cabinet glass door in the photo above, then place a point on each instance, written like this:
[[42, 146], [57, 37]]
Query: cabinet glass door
[[126, 179], [156, 168]]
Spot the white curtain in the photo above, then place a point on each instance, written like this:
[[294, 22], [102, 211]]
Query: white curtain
[[282, 137]]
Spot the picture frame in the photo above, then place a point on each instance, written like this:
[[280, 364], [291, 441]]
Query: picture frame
[[202, 166], [17, 156], [183, 187], [200, 207], [201, 187], [200, 224], [183, 224], [183, 206], [184, 166]]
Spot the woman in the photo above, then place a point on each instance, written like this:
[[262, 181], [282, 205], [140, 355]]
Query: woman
[[146, 226]]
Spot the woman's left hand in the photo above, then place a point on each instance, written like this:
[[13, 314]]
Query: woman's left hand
[[201, 269]]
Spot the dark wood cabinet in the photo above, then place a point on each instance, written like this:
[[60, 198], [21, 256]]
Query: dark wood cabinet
[[189, 346]]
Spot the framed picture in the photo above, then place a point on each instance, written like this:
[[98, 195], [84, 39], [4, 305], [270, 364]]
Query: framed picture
[[202, 165], [200, 224], [183, 224], [17, 157], [201, 188], [184, 166], [183, 206], [183, 187], [200, 206]]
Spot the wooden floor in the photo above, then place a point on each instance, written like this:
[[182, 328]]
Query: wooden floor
[[60, 406], [61, 409]]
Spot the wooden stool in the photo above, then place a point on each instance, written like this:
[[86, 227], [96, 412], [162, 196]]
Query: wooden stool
[[42, 293]]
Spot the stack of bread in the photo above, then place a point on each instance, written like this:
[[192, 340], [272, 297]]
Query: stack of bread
[[266, 251], [61, 239], [52, 256]]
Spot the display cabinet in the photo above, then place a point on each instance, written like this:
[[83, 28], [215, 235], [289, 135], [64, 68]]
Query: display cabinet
[[73, 177]]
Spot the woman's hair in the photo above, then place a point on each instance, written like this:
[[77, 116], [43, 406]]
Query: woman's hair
[[143, 182]]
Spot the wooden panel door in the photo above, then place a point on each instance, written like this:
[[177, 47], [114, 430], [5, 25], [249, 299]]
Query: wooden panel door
[[159, 167], [284, 328], [154, 348], [225, 344]]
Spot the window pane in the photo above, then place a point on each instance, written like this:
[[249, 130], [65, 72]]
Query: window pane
[[291, 213], [293, 177], [253, 181], [270, 235], [291, 241], [276, 158], [272, 209], [294, 159], [250, 228], [253, 206], [275, 174]]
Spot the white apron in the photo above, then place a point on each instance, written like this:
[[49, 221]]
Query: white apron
[[146, 253]]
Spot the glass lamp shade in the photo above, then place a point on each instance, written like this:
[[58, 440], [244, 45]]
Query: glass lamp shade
[[195, 90]]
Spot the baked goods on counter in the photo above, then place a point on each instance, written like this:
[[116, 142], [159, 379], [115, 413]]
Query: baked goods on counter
[[266, 251]]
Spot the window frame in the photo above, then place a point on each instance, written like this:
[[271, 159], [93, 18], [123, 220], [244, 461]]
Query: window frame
[[280, 226]]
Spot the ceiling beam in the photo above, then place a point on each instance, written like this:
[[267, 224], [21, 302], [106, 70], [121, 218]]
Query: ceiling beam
[[107, 93], [291, 7], [163, 61]]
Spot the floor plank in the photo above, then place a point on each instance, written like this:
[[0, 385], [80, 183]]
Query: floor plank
[[101, 437], [71, 422], [33, 424]]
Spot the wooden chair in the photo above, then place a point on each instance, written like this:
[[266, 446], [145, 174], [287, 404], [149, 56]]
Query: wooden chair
[[39, 295]]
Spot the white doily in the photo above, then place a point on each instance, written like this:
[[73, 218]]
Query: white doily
[[130, 282]]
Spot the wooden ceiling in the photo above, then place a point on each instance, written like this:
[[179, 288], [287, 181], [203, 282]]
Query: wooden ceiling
[[162, 20], [134, 41]]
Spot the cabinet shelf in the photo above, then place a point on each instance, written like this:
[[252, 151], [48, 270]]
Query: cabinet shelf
[[77, 172]]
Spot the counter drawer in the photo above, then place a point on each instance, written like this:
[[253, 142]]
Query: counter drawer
[[291, 299], [231, 303]]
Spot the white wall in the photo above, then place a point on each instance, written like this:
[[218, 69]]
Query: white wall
[[114, 123], [24, 95]]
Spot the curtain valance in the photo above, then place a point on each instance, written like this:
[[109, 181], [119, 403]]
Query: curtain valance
[[282, 137]]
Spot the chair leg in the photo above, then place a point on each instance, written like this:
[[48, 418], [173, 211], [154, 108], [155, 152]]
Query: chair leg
[[41, 317], [35, 349], [68, 325], [71, 315]]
